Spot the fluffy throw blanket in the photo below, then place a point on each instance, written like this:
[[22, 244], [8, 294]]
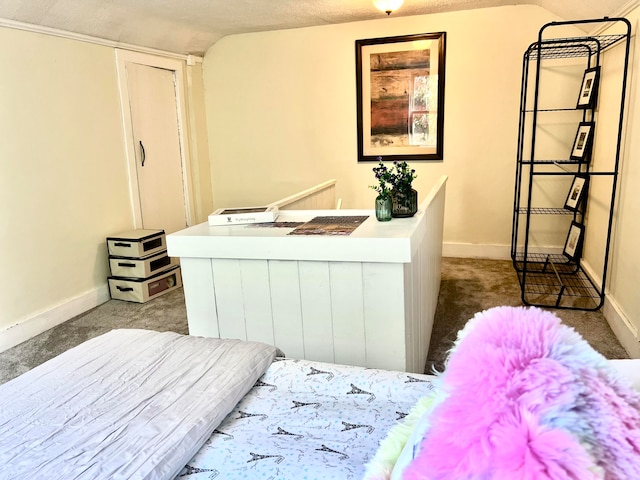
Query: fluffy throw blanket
[[525, 397]]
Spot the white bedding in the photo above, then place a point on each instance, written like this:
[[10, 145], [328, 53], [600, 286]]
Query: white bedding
[[308, 420], [130, 404]]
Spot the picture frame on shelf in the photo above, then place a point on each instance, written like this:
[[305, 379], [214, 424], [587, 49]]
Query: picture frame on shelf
[[573, 244], [400, 97], [589, 89], [577, 193], [582, 142]]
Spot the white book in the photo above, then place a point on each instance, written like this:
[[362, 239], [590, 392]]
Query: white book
[[243, 215]]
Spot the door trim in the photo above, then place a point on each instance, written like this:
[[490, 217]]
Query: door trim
[[177, 66]]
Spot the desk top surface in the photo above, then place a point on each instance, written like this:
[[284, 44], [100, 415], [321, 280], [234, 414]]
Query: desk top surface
[[369, 241]]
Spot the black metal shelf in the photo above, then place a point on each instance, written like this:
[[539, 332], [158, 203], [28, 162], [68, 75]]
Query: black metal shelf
[[547, 278], [552, 280], [574, 47], [588, 173], [544, 211], [552, 162], [553, 110]]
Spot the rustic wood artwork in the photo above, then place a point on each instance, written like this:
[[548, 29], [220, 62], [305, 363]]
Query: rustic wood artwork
[[400, 92], [392, 77]]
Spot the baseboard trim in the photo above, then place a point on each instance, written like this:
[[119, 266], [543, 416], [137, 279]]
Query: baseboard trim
[[622, 327], [469, 250], [490, 252], [624, 330], [43, 321]]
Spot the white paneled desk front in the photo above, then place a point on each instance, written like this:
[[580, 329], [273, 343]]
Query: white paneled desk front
[[365, 299]]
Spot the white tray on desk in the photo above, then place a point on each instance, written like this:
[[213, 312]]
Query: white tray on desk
[[243, 215]]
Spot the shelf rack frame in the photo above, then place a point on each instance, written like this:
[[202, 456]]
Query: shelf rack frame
[[547, 278]]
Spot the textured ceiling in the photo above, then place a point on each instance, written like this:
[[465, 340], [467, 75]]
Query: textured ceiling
[[192, 26]]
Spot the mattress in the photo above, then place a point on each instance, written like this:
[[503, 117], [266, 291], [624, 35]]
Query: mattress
[[129, 404], [306, 419]]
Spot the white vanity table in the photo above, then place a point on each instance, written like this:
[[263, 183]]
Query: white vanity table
[[365, 299]]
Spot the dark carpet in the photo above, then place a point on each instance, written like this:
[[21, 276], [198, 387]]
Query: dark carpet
[[472, 285]]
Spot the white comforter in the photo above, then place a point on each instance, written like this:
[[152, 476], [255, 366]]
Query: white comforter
[[131, 404]]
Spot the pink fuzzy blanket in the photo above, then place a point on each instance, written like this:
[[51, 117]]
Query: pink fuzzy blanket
[[525, 397]]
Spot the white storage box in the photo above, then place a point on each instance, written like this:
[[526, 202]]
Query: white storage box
[[144, 289], [137, 243], [141, 267]]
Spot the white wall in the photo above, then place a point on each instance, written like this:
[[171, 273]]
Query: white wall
[[199, 145], [281, 110], [281, 113], [64, 183], [622, 307], [63, 186]]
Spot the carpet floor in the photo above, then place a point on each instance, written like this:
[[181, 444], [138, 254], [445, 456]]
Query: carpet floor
[[468, 286]]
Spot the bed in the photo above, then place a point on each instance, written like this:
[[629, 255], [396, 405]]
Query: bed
[[307, 419], [151, 405]]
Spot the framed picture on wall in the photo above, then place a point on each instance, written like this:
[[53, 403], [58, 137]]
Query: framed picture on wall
[[400, 97], [589, 89], [582, 142], [573, 244], [577, 193]]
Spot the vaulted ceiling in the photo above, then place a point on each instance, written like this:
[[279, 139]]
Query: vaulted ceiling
[[192, 26]]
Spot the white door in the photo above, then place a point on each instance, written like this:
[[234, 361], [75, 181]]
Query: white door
[[156, 138]]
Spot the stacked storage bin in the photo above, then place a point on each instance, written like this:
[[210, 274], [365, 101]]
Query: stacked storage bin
[[140, 267]]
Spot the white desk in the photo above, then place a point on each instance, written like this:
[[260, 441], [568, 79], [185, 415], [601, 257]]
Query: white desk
[[365, 299]]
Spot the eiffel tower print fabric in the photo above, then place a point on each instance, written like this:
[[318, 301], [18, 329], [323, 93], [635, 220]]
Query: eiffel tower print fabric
[[308, 420]]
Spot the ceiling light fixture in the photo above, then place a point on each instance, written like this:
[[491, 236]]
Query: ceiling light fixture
[[387, 6]]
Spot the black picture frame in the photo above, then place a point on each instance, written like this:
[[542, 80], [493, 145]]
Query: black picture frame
[[581, 149], [577, 192], [573, 244], [588, 96], [400, 97]]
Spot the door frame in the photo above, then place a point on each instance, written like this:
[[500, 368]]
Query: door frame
[[177, 66]]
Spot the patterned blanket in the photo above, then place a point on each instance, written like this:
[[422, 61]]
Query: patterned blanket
[[525, 397]]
